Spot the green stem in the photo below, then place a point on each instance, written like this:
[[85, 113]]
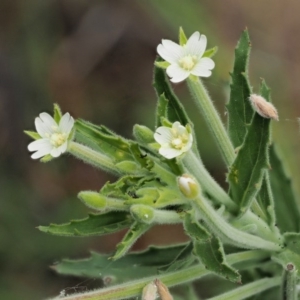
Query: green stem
[[134, 288], [92, 157], [249, 289], [212, 118], [194, 165], [228, 233], [289, 283]]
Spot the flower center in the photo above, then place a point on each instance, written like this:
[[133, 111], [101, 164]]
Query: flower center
[[57, 139], [188, 62], [177, 143]]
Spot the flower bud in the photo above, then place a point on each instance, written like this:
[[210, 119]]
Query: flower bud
[[150, 291], [163, 291], [143, 134], [93, 199], [188, 186], [263, 107], [142, 213]]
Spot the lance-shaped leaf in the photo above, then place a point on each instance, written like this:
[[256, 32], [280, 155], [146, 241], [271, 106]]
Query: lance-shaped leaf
[[246, 173], [169, 106], [239, 108], [103, 140], [94, 224], [168, 101], [136, 264], [209, 249], [266, 201], [291, 251], [286, 208], [135, 231]]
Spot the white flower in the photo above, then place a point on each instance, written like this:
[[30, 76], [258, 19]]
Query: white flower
[[174, 141], [54, 137], [187, 59]]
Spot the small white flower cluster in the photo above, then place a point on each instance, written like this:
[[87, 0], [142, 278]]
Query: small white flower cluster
[[174, 140], [188, 59], [54, 136]]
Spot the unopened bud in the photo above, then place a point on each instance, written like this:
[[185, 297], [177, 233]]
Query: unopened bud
[[143, 134], [93, 199], [149, 291], [188, 186], [142, 213], [163, 291], [263, 107]]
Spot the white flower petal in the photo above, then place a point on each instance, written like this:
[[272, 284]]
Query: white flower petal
[[55, 152], [40, 144], [63, 147], [39, 154], [196, 44], [48, 120], [170, 51], [179, 128], [176, 73], [66, 123], [203, 67], [42, 129], [169, 152], [189, 144], [163, 135]]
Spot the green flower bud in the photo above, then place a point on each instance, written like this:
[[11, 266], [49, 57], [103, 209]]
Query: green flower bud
[[142, 213], [143, 134], [93, 199], [188, 186]]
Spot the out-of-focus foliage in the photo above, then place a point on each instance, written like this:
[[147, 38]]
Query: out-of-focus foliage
[[95, 59]]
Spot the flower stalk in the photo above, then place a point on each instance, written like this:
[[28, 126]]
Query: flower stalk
[[212, 118], [135, 288]]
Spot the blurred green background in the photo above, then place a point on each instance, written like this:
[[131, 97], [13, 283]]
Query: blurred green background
[[95, 59]]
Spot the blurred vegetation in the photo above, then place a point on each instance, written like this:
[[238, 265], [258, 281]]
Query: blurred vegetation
[[95, 59]]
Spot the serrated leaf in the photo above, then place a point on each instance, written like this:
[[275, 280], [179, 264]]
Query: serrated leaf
[[135, 231], [246, 173], [161, 109], [291, 252], [210, 52], [286, 207], [137, 264], [34, 135], [239, 108], [94, 224], [209, 249], [212, 255], [103, 140]]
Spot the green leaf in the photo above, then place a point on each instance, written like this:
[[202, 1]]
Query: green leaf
[[266, 201], [161, 109], [291, 252], [34, 135], [209, 249], [286, 208], [103, 140], [210, 52], [162, 64], [94, 224], [135, 231], [239, 108], [175, 110], [182, 37], [212, 255], [137, 264], [247, 171], [57, 113]]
